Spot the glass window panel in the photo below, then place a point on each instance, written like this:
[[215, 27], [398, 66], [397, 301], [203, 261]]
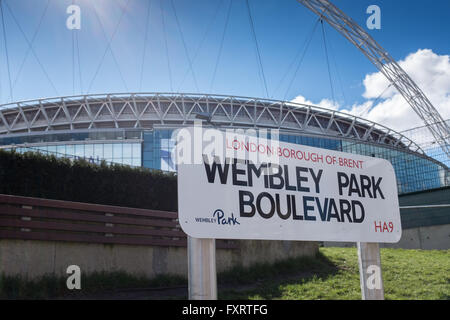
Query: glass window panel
[[98, 150], [107, 151], [89, 151], [136, 150], [61, 150], [148, 164], [136, 162], [164, 165], [52, 149], [127, 151], [79, 150], [164, 144], [70, 149], [117, 151], [165, 134]]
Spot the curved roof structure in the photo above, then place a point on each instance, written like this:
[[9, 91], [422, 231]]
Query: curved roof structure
[[149, 110]]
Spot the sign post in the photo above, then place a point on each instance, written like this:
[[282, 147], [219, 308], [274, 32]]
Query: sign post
[[202, 269], [370, 271]]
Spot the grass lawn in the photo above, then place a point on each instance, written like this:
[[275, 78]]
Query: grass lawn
[[334, 274]]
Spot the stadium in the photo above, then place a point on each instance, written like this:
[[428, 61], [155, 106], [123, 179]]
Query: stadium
[[135, 129]]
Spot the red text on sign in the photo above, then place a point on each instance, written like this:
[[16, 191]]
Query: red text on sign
[[383, 226]]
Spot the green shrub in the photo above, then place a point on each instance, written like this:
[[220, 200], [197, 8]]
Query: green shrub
[[51, 286], [44, 176]]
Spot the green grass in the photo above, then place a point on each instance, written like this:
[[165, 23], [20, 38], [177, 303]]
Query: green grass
[[334, 274]]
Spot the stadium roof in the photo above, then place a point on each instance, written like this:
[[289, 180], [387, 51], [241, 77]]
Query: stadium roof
[[151, 110]]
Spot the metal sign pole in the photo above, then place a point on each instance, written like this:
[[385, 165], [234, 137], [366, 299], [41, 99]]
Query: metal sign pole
[[370, 271], [202, 269]]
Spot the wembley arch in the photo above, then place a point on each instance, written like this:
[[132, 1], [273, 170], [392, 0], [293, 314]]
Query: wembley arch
[[386, 65]]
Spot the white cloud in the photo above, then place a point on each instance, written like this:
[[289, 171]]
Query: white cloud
[[324, 103], [430, 71]]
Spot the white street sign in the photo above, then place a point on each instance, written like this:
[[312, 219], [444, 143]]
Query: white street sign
[[301, 193]]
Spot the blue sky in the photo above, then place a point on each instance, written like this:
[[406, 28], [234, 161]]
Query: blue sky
[[281, 28]]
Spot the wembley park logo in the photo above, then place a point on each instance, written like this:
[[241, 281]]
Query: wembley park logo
[[219, 217]]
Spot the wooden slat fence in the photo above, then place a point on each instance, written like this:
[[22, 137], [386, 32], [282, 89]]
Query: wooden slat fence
[[55, 220]]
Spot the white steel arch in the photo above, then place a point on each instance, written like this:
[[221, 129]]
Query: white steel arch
[[386, 65]]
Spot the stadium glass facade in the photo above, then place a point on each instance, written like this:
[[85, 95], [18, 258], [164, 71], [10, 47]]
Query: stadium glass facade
[[122, 147], [152, 149]]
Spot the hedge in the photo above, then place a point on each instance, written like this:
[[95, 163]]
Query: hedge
[[45, 176]]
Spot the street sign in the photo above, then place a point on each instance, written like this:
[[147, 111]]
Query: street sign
[[257, 189]]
